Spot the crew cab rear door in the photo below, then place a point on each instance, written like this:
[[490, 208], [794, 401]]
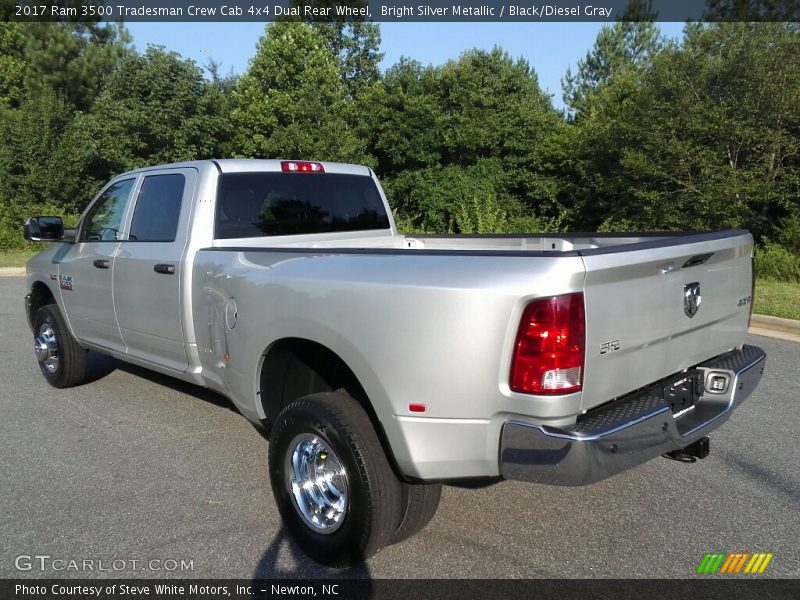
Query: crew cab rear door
[[664, 307], [148, 270]]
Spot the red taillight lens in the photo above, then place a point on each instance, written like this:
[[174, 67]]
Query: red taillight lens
[[548, 353], [299, 166]]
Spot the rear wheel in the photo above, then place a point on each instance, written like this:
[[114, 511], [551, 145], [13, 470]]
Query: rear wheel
[[332, 482], [61, 358], [420, 503]]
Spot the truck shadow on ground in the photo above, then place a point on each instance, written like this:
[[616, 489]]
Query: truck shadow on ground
[[776, 481], [101, 366], [283, 560]]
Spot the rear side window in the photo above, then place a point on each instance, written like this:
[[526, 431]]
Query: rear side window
[[261, 204], [158, 208]]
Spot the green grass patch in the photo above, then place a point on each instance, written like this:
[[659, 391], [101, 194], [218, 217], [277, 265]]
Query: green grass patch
[[777, 298], [15, 258]]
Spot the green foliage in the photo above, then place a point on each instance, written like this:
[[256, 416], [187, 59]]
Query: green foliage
[[12, 64], [479, 127], [291, 103], [625, 45], [704, 134], [789, 233], [35, 179], [72, 60], [775, 262], [353, 41], [480, 215], [707, 138], [400, 118], [155, 108], [455, 199]]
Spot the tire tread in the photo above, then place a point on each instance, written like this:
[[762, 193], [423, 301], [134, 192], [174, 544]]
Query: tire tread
[[383, 488], [73, 359]]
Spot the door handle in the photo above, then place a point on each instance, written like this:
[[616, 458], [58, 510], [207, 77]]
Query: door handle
[[102, 264], [164, 269]]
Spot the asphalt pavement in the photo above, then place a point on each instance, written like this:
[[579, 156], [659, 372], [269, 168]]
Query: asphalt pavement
[[138, 474]]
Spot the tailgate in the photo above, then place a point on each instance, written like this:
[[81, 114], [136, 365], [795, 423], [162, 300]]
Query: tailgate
[[638, 329]]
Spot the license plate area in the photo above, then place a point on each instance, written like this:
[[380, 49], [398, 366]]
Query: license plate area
[[683, 392]]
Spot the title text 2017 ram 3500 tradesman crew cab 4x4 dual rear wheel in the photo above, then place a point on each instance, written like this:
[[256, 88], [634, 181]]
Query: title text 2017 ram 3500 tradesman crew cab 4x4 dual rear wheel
[[385, 364]]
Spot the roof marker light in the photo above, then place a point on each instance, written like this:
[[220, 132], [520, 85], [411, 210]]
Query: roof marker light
[[301, 166]]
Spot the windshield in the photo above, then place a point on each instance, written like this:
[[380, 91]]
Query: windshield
[[262, 204]]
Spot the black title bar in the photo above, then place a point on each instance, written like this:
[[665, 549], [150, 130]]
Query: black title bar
[[707, 588], [404, 10]]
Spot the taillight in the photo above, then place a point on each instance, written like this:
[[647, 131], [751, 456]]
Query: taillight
[[301, 166], [549, 349]]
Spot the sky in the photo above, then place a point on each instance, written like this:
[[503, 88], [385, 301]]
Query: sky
[[549, 47]]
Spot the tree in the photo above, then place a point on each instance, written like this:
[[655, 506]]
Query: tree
[[292, 102], [354, 41], [632, 43], [708, 138], [50, 74], [12, 64], [72, 59], [34, 179], [479, 122], [401, 118], [156, 108]]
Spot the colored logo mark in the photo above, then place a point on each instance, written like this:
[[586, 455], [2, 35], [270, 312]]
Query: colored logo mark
[[734, 563]]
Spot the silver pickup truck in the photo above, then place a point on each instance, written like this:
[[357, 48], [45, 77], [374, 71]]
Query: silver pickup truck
[[383, 365]]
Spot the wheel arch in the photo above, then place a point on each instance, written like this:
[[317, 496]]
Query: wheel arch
[[294, 367], [40, 295]]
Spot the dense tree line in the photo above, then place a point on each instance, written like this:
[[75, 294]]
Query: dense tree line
[[703, 133]]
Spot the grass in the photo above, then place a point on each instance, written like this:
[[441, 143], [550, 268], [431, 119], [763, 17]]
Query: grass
[[774, 298], [778, 298], [15, 258]]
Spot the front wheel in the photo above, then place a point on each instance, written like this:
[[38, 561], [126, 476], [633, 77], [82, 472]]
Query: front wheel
[[332, 482], [61, 358]]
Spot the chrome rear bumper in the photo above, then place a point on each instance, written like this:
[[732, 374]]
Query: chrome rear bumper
[[629, 431]]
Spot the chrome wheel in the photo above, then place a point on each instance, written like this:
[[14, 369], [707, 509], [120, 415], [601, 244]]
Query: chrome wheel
[[45, 345], [317, 482]]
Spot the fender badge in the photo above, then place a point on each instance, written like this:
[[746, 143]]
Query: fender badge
[[65, 282]]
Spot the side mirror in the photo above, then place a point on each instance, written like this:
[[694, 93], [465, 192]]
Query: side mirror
[[44, 229]]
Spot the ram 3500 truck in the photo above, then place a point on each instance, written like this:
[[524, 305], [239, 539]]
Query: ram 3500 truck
[[383, 364]]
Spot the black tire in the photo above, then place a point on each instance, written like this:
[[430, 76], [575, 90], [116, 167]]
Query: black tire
[[70, 369], [373, 491], [420, 501]]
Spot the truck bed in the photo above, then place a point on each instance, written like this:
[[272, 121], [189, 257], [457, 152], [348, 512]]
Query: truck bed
[[549, 244]]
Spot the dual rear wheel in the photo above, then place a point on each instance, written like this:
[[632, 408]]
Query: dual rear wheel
[[333, 484]]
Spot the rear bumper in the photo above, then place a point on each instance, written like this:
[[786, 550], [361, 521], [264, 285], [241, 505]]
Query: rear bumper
[[629, 431]]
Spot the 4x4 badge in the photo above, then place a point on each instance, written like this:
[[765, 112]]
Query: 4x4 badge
[[691, 299]]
